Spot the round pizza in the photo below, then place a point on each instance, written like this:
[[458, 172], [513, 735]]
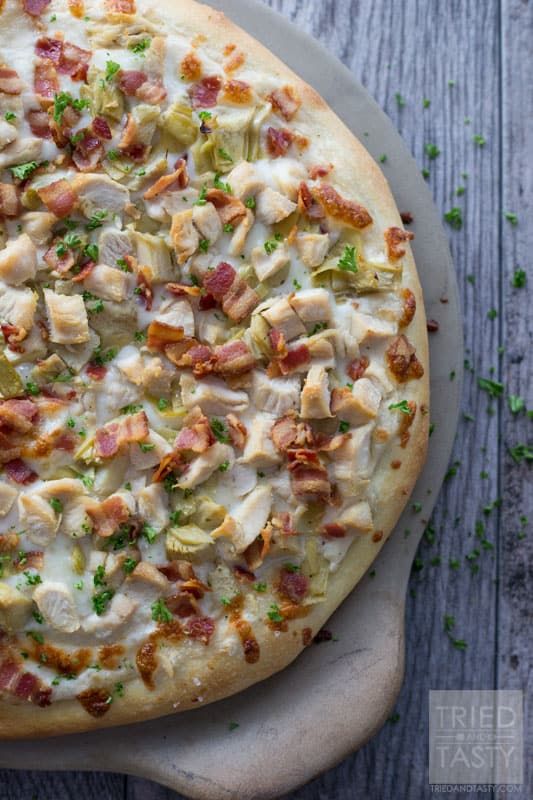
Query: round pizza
[[213, 364]]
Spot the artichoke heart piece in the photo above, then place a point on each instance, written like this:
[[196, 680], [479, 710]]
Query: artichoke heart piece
[[146, 118], [346, 268], [178, 125], [10, 381], [234, 137], [315, 567], [189, 542], [77, 560], [104, 96], [208, 514]]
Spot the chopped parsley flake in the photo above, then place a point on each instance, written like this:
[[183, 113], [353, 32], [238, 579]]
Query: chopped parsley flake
[[64, 99], [96, 220], [160, 612], [218, 184], [9, 116], [162, 404], [426, 103], [91, 251], [493, 388], [432, 151], [519, 279], [229, 228], [23, 171], [224, 154], [511, 217], [492, 314], [516, 403], [454, 218], [146, 446], [149, 533], [479, 140], [274, 614], [521, 452], [270, 246], [99, 576], [402, 406], [297, 285], [36, 636], [139, 47], [56, 504], [101, 600], [224, 466], [132, 408], [32, 388], [259, 587], [129, 565], [33, 579], [250, 203], [220, 431], [205, 115], [348, 261], [111, 69], [202, 196], [400, 101], [344, 426], [204, 245]]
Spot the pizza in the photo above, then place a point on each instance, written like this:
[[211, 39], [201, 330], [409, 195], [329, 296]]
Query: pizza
[[214, 367]]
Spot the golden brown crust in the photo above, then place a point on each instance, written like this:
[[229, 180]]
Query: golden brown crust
[[219, 674]]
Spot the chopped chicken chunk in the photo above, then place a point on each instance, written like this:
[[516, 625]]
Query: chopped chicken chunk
[[275, 395], [272, 206], [205, 464], [120, 611], [280, 315], [207, 222], [245, 180], [15, 608], [250, 517], [56, 604], [20, 152], [315, 394], [184, 235], [259, 451], [8, 495], [312, 305], [18, 260], [366, 328], [357, 518], [17, 306], [98, 193], [268, 264], [212, 395], [177, 314], [67, 317], [312, 248], [107, 282], [38, 226], [359, 405], [153, 505]]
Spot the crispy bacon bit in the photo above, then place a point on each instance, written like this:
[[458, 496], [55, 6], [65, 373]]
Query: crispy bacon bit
[[110, 439], [45, 81], [183, 290], [402, 360], [237, 298], [108, 515], [101, 128], [287, 433], [204, 94], [129, 80], [45, 47], [96, 372], [357, 368], [406, 217], [237, 92], [237, 431], [10, 83], [151, 91], [196, 436], [88, 152], [334, 530], [348, 211], [320, 171], [59, 263], [190, 353], [296, 357], [19, 415], [67, 58], [432, 326], [406, 420], [207, 302], [84, 272], [9, 200], [233, 358], [395, 239], [191, 67], [179, 179], [307, 205], [160, 335], [285, 101], [182, 604], [177, 570], [13, 336], [58, 197], [39, 124], [19, 472], [309, 478], [144, 287], [293, 585], [20, 684], [200, 628], [278, 141], [408, 309], [96, 702], [230, 209], [277, 342], [35, 7]]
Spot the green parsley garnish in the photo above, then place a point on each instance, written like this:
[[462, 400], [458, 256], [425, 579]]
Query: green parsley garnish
[[23, 171], [146, 446], [521, 452], [32, 388], [220, 431], [204, 245], [38, 617], [162, 404], [64, 99], [202, 197], [36, 636], [274, 614], [516, 403], [91, 251], [402, 406], [205, 115], [454, 218], [400, 101], [229, 228], [224, 154], [218, 184], [296, 284], [259, 587], [349, 259], [426, 103], [519, 279], [96, 220], [149, 533], [449, 624], [250, 203], [129, 565], [111, 69], [224, 466], [270, 246], [32, 578], [344, 426], [9, 116], [479, 140], [99, 576], [492, 314], [132, 408], [56, 504], [139, 47], [101, 600], [493, 388], [511, 217], [432, 151], [112, 155], [160, 612]]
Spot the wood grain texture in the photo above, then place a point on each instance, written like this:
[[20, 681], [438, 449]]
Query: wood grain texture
[[415, 48]]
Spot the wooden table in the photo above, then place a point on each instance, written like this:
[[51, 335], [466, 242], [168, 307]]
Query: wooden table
[[455, 74]]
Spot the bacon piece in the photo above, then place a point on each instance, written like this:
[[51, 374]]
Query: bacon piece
[[110, 439], [58, 197], [237, 92], [196, 436], [151, 91], [204, 94], [237, 298], [88, 152], [59, 263], [395, 238], [18, 415], [285, 101], [45, 81], [30, 559], [230, 209], [182, 604], [233, 358], [278, 141], [357, 368], [309, 477], [293, 585], [19, 472], [9, 200], [191, 67], [35, 7], [129, 80], [179, 179], [207, 302], [277, 342], [74, 61], [183, 290], [96, 372], [172, 462], [307, 205], [45, 47], [402, 360], [96, 702], [177, 570], [84, 272], [190, 353], [296, 357], [333, 530], [144, 287], [348, 211], [10, 83], [200, 628], [237, 431], [39, 123], [108, 515], [20, 684], [100, 128], [160, 335], [13, 336], [287, 433], [409, 308]]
